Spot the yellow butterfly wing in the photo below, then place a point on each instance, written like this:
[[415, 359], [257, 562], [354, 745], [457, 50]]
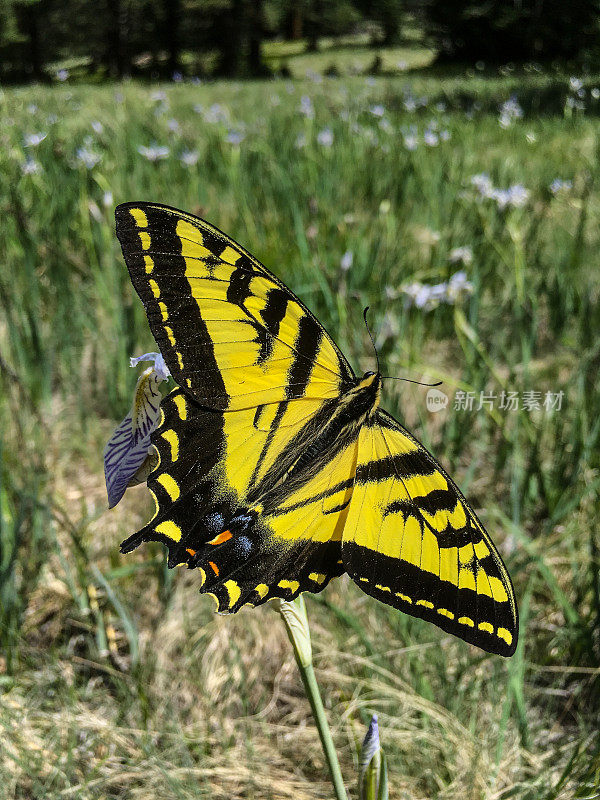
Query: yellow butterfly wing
[[259, 378], [232, 334], [412, 541], [247, 506], [275, 472]]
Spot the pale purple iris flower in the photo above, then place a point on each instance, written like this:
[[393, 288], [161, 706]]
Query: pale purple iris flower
[[128, 456]]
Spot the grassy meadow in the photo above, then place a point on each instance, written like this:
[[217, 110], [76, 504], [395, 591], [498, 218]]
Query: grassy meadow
[[117, 680]]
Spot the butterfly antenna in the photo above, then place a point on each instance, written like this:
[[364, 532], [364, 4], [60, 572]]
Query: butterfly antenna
[[371, 337], [408, 380]]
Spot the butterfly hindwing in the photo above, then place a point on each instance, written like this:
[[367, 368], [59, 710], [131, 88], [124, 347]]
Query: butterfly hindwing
[[221, 507], [412, 541], [232, 334]]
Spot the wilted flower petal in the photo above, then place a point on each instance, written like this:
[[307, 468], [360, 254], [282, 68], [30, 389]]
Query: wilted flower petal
[[127, 455]]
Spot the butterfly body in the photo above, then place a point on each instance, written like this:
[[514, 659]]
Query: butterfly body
[[277, 469]]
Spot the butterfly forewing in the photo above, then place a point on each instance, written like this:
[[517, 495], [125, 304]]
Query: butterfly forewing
[[231, 333], [412, 541]]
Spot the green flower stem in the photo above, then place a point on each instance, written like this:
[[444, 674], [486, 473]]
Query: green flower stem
[[296, 623]]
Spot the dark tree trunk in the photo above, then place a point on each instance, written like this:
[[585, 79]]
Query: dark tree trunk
[[172, 17], [116, 61], [255, 35], [230, 40], [313, 25], [31, 28], [296, 24]]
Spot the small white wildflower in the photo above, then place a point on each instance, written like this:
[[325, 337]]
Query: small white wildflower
[[483, 184], [410, 104], [31, 167], [519, 195], [306, 107], [97, 127], [559, 185], [62, 75], [426, 299], [154, 152], [575, 104], [377, 110], [189, 158], [595, 93], [88, 157], [215, 113], [173, 125], [463, 254], [458, 287], [32, 108], [515, 196], [325, 137], [235, 137], [386, 126], [445, 135], [430, 138], [531, 137], [402, 65], [510, 110], [576, 84], [411, 142], [34, 139], [107, 199], [347, 260], [158, 96], [313, 76]]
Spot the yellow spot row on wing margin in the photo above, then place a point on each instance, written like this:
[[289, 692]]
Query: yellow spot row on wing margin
[[502, 633]]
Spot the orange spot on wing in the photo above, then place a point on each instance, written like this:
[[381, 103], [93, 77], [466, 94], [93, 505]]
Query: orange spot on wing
[[214, 567], [222, 537], [190, 551]]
